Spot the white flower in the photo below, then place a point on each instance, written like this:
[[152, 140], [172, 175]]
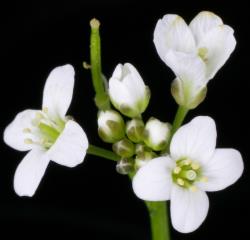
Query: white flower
[[48, 134], [156, 134], [193, 167], [195, 52], [127, 90]]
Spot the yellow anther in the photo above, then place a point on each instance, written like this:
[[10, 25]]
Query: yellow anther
[[26, 130], [193, 188], [45, 110], [202, 52], [177, 170], [39, 115], [204, 179], [28, 141], [187, 162], [195, 166], [180, 182]]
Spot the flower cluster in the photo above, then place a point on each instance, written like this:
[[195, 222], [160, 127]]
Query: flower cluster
[[165, 162]]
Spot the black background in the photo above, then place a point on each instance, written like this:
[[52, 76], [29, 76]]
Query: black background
[[92, 201]]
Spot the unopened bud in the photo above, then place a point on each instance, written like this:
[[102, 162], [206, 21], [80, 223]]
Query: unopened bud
[[111, 127], [134, 130], [124, 166], [143, 158], [156, 134], [124, 148]]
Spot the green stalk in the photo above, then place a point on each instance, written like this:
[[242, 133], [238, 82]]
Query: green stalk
[[101, 97], [101, 152], [158, 212]]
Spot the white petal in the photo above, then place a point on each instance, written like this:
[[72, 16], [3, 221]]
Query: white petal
[[171, 32], [189, 68], [58, 90], [70, 147], [188, 209], [203, 23], [153, 181], [220, 43], [14, 133], [224, 169], [195, 140], [29, 172]]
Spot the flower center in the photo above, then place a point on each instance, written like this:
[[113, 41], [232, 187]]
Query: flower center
[[44, 131], [186, 173], [202, 52]]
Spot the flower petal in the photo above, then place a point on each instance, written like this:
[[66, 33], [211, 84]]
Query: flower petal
[[203, 23], [30, 171], [195, 140], [187, 67], [224, 169], [219, 44], [58, 91], [188, 209], [171, 32], [71, 146], [153, 181], [15, 133]]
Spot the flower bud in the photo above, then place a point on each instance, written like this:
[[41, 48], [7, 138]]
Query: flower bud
[[124, 148], [188, 96], [156, 134], [134, 130], [111, 127], [125, 166], [143, 158], [127, 91]]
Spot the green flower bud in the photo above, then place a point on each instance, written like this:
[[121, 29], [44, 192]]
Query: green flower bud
[[156, 134], [187, 94], [143, 158], [134, 130], [125, 166], [140, 148], [111, 127], [124, 148]]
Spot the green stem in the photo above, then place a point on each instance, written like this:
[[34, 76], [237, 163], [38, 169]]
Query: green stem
[[158, 212], [101, 98], [101, 152], [179, 118]]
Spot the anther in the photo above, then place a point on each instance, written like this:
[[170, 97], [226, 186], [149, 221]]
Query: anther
[[195, 166], [187, 162], [177, 170], [45, 110], [204, 179], [28, 141], [39, 115], [193, 188], [180, 181], [26, 130]]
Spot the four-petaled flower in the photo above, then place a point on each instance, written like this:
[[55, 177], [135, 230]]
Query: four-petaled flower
[[193, 167], [195, 52], [47, 133]]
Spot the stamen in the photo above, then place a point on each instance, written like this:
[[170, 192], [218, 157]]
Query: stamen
[[180, 181], [204, 179], [177, 170], [193, 188], [45, 110], [187, 162], [26, 130], [191, 175], [195, 166], [39, 116], [28, 141]]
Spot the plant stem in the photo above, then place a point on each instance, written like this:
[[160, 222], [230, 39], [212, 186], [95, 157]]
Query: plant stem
[[179, 118], [101, 97], [101, 152], [158, 213]]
